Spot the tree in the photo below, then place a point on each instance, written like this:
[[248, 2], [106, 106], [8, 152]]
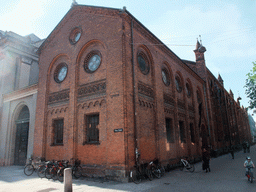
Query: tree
[[250, 86]]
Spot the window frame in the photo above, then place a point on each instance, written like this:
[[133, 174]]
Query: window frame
[[168, 77], [89, 57], [182, 131], [188, 90], [58, 134], [169, 130], [178, 84], [57, 70], [146, 60], [192, 133], [88, 133]]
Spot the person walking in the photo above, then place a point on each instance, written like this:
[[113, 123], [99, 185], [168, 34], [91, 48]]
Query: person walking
[[248, 147], [244, 146], [206, 160], [231, 150]]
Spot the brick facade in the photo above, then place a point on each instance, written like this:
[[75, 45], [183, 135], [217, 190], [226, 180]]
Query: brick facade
[[130, 100]]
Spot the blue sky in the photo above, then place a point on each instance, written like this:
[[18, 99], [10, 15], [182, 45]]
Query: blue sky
[[227, 28]]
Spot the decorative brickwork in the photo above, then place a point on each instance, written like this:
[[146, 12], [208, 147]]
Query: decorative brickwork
[[169, 100], [92, 88], [145, 90], [168, 110], [181, 104], [146, 104], [58, 110], [57, 97]]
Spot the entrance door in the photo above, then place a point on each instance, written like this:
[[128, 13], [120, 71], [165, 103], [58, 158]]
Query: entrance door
[[21, 144]]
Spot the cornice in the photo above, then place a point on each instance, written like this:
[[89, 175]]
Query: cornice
[[22, 93]]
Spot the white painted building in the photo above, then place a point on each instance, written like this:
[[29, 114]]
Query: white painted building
[[18, 93]]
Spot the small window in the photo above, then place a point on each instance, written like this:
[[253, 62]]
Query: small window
[[165, 76], [92, 61], [178, 84], [58, 125], [192, 132], [169, 130], [182, 132], [92, 130], [143, 63], [75, 35]]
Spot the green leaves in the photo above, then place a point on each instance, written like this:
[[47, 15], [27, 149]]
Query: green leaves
[[250, 86]]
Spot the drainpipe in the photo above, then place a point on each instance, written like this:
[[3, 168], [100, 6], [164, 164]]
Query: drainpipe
[[209, 130], [134, 98], [229, 131]]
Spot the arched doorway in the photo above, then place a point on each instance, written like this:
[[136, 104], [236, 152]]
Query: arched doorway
[[21, 141]]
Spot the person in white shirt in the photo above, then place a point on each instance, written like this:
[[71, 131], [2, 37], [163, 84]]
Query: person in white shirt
[[248, 164]]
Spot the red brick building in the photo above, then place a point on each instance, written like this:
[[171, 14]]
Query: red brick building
[[108, 86]]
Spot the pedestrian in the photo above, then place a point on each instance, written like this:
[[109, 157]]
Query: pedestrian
[[231, 150], [248, 147], [244, 146], [206, 160]]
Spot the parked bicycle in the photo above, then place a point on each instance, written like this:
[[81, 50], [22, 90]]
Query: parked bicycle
[[185, 164], [63, 165], [142, 171], [32, 166], [77, 170], [48, 169], [157, 169]]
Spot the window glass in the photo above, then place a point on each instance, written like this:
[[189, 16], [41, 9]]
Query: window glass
[[58, 131], [192, 132], [178, 84], [165, 77], [169, 130], [182, 132], [92, 131], [188, 90], [143, 63], [92, 61]]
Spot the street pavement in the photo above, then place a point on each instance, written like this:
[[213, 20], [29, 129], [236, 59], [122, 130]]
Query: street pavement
[[227, 175]]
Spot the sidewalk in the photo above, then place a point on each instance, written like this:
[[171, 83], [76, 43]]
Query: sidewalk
[[226, 174]]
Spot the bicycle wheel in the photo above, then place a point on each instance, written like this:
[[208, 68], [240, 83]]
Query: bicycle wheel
[[77, 172], [48, 174], [135, 177], [191, 168], [251, 177], [60, 174], [54, 173], [29, 169], [149, 174], [162, 169], [156, 172], [41, 171]]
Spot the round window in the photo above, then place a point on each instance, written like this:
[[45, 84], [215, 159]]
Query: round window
[[188, 90], [143, 63], [75, 35], [92, 61], [165, 77], [178, 84], [60, 72]]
